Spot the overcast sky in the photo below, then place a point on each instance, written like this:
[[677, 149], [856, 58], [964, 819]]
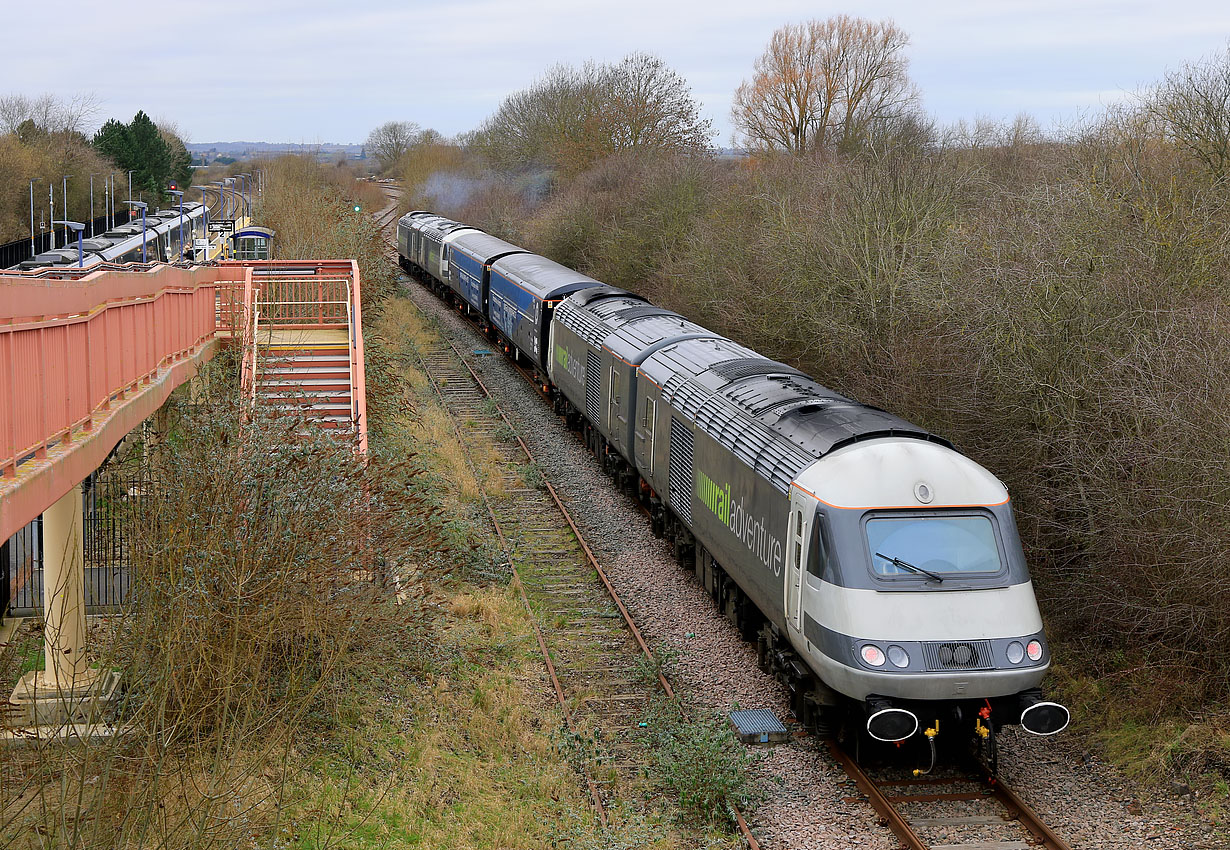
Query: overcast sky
[[313, 72]]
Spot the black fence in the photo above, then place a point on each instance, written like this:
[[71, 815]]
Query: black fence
[[13, 253], [110, 501]]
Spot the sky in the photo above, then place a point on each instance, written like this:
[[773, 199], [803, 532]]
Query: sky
[[314, 72]]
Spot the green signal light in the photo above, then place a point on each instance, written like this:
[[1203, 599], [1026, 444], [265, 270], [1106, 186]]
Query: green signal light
[[357, 208]]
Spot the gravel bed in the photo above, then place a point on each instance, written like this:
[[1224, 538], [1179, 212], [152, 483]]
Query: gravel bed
[[807, 796]]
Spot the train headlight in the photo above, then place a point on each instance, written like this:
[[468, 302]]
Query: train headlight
[[1034, 650], [872, 655], [898, 656], [1016, 652]]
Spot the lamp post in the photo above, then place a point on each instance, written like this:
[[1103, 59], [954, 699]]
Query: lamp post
[[91, 206], [205, 223], [64, 208], [107, 201], [51, 204], [140, 205], [247, 193], [33, 180], [180, 195], [77, 227]]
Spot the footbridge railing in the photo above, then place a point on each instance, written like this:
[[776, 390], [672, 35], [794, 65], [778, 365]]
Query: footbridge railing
[[86, 358]]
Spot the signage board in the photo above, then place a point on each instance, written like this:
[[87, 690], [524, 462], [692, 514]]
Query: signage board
[[226, 225], [200, 244]]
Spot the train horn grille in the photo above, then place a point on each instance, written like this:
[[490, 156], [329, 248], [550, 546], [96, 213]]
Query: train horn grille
[[958, 655]]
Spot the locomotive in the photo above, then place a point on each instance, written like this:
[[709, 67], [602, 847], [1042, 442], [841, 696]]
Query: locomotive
[[878, 569]]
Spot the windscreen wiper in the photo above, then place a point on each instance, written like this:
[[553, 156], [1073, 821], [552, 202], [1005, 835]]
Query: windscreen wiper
[[897, 562]]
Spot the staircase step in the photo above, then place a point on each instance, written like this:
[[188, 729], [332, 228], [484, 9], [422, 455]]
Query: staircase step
[[333, 362], [291, 371]]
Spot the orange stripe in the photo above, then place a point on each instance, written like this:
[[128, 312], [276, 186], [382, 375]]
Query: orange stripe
[[896, 507], [617, 357]]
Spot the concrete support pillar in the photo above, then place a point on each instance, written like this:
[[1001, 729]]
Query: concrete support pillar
[[67, 696], [64, 594]]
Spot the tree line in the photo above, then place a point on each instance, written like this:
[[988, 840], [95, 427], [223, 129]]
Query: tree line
[[45, 150]]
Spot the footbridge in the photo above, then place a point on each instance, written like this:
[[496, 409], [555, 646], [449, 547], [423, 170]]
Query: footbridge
[[88, 355]]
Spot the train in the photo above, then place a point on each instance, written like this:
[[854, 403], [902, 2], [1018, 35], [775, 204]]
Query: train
[[878, 570], [122, 244]]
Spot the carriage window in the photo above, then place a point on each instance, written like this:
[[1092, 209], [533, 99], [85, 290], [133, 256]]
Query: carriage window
[[613, 404], [817, 555], [651, 414]]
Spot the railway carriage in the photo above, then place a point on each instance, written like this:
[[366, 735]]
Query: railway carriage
[[524, 290], [406, 235], [598, 339], [472, 253], [122, 244], [432, 250]]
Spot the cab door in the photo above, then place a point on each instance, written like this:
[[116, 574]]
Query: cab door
[[798, 534]]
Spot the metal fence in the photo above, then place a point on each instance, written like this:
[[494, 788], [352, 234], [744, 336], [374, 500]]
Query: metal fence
[[12, 253], [110, 500]]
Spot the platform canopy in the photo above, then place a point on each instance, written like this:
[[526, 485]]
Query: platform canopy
[[254, 232]]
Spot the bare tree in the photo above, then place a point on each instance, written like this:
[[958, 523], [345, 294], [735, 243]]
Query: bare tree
[[647, 104], [48, 112], [1193, 105], [573, 116], [825, 83], [532, 125], [391, 140]]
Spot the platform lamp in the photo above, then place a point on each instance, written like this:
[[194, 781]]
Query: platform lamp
[[33, 180], [64, 207], [247, 193], [76, 227], [233, 208], [205, 206], [139, 205], [179, 194]]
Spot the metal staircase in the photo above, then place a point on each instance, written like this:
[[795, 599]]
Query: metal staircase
[[303, 348], [314, 383]]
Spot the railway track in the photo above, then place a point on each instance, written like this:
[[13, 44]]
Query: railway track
[[991, 815]]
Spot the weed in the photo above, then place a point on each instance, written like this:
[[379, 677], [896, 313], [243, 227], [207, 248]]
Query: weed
[[699, 761]]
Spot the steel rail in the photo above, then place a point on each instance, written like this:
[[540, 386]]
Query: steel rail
[[595, 795], [626, 615], [1026, 816], [893, 818]]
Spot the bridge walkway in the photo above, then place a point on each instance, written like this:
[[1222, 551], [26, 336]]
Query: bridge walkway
[[87, 357]]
